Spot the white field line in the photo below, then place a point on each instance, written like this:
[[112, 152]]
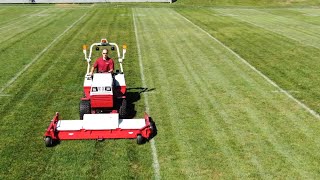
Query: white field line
[[156, 165], [315, 114], [39, 55]]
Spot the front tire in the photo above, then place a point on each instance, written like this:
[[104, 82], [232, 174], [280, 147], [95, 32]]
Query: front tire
[[85, 108]]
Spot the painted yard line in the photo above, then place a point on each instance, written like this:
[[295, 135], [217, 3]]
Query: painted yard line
[[156, 165], [315, 114], [269, 29], [39, 55]]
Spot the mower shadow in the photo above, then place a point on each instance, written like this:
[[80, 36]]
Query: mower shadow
[[134, 95], [154, 129]]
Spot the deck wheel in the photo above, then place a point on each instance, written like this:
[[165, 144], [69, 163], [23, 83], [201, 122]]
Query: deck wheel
[[48, 141], [140, 139]]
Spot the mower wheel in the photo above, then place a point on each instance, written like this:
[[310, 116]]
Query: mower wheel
[[140, 139], [84, 108], [48, 141], [123, 109]]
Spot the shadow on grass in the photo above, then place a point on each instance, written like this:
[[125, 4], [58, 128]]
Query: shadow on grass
[[153, 128], [134, 95]]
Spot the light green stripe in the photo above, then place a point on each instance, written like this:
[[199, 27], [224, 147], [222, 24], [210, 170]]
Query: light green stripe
[[302, 32]]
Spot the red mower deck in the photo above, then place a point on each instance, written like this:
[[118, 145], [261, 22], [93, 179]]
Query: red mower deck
[[98, 127]]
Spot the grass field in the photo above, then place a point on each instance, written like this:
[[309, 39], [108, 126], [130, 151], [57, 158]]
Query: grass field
[[234, 91]]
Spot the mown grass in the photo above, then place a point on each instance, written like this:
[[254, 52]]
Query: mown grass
[[258, 3], [216, 118], [289, 60]]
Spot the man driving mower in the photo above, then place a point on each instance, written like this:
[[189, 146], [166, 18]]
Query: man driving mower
[[104, 64]]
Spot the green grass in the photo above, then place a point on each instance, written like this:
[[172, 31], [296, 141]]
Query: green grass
[[216, 117], [257, 3]]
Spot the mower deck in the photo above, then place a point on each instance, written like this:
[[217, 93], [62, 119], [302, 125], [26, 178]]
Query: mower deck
[[98, 126]]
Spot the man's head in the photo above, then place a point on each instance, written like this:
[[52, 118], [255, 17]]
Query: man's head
[[105, 53]]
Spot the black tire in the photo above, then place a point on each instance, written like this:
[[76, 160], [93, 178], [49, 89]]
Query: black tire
[[48, 141], [84, 108], [140, 139], [123, 112]]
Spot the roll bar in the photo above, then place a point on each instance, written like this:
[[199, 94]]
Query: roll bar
[[104, 42]]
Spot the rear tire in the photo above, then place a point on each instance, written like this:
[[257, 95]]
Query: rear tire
[[84, 108], [48, 141], [123, 113]]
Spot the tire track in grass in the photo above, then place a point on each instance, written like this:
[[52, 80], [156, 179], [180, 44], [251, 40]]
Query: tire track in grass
[[12, 80], [156, 165]]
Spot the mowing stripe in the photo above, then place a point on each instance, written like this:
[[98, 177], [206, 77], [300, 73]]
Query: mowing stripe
[[156, 165], [13, 22], [277, 19], [39, 55], [315, 114], [5, 95]]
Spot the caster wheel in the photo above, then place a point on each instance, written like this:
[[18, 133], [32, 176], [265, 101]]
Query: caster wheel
[[48, 141], [140, 139]]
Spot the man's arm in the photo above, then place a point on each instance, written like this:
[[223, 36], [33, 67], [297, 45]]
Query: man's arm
[[95, 65], [111, 66], [92, 69]]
